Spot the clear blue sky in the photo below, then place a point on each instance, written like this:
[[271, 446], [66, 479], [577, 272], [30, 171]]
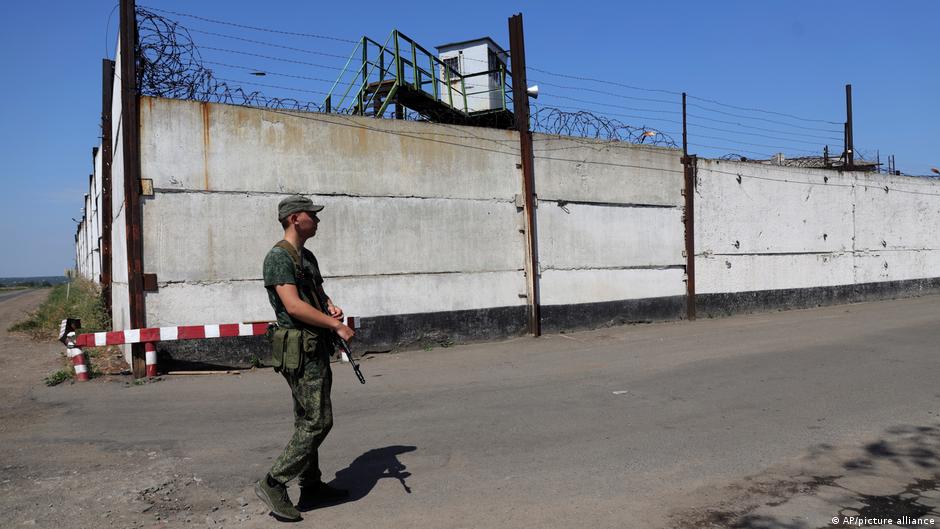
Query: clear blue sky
[[792, 57]]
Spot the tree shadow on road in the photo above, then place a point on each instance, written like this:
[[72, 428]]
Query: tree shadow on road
[[364, 473], [834, 482]]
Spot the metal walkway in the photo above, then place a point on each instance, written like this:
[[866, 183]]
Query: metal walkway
[[383, 80]]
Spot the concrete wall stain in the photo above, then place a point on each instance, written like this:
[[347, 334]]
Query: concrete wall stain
[[205, 143]]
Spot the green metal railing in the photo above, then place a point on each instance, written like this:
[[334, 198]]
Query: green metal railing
[[403, 63]]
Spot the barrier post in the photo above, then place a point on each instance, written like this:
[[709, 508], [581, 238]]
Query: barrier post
[[77, 356], [150, 352]]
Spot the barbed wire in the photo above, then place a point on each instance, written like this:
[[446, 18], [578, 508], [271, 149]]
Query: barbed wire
[[170, 65], [585, 124]]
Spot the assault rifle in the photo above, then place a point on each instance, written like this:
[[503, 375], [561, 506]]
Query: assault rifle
[[341, 343], [320, 301], [347, 354]]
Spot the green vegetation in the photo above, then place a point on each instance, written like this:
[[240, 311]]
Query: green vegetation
[[31, 282], [79, 299], [58, 377]]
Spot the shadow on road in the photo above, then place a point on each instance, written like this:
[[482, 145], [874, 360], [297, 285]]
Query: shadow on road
[[896, 477], [362, 475]]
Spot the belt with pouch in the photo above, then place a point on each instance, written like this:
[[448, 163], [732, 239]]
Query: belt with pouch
[[288, 346]]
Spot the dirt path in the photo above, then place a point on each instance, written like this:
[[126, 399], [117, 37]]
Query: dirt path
[[63, 482], [23, 362]]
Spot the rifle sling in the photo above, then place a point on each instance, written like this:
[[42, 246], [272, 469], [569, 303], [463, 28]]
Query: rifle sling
[[313, 299]]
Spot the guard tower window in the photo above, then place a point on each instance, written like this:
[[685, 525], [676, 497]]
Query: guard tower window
[[453, 64], [494, 64]]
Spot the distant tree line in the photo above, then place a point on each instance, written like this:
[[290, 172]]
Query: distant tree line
[[31, 282]]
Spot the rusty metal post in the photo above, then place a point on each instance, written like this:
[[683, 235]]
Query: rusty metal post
[[107, 88], [849, 144], [688, 217], [130, 126], [520, 98]]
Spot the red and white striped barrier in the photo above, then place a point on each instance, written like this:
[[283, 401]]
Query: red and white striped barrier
[[148, 337], [150, 351], [166, 334], [77, 357]]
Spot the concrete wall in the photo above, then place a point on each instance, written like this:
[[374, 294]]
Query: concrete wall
[[98, 192], [422, 236], [88, 232], [896, 228], [419, 218], [120, 295], [609, 225], [761, 227]]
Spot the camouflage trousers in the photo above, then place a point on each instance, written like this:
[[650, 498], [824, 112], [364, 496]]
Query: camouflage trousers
[[313, 418]]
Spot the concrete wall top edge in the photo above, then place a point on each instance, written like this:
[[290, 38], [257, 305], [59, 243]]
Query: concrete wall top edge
[[834, 176], [217, 147]]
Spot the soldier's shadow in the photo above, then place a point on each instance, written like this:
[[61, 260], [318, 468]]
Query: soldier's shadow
[[364, 473]]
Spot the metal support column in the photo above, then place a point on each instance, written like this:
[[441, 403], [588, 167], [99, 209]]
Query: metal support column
[[849, 144], [107, 89], [521, 106], [130, 127], [688, 217]]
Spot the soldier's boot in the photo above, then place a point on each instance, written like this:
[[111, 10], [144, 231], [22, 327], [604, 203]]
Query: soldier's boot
[[313, 494], [274, 495]]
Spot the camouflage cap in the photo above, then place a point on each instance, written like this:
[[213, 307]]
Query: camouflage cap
[[295, 204]]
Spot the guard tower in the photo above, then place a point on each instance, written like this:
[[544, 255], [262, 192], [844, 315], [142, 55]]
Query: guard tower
[[473, 86], [479, 62]]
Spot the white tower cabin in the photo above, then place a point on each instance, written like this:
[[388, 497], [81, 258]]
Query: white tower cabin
[[472, 59]]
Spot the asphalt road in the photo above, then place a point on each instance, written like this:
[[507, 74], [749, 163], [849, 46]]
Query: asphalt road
[[12, 294], [772, 420]]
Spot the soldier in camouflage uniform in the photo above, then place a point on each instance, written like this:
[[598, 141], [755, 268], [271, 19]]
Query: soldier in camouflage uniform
[[301, 349]]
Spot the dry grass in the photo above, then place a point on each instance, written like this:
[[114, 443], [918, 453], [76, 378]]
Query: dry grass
[[79, 299]]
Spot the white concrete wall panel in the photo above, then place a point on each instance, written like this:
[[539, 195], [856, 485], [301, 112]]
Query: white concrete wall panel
[[771, 210], [562, 287], [873, 267], [583, 170], [96, 272], [83, 230], [207, 303], [743, 273], [592, 235], [190, 145], [219, 236], [120, 295], [849, 226], [587, 236], [410, 294], [903, 217], [237, 301]]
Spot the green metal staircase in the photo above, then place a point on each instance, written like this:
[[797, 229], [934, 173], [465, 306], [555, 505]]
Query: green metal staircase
[[382, 80]]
